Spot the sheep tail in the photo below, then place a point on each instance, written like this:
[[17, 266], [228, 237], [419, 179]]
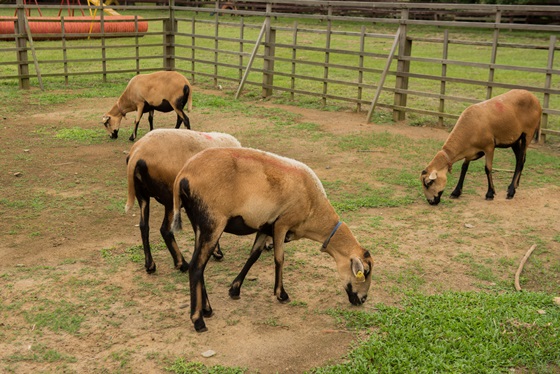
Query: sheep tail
[[131, 190], [537, 135], [177, 225], [187, 91]]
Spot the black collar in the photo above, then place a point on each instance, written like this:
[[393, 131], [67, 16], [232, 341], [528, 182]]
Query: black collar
[[326, 242]]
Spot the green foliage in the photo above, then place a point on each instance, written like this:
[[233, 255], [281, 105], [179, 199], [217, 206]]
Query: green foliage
[[80, 135], [457, 332], [181, 366], [56, 315], [40, 353]]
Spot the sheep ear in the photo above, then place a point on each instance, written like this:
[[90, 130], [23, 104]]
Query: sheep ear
[[105, 119], [358, 269], [433, 176]]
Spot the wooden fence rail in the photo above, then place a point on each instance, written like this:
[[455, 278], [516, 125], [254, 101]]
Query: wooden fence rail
[[332, 56]]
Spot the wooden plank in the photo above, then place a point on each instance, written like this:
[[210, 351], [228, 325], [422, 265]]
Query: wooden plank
[[251, 59], [35, 62], [443, 74], [384, 74]]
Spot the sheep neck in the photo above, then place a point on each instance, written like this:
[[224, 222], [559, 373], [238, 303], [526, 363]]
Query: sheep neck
[[122, 111]]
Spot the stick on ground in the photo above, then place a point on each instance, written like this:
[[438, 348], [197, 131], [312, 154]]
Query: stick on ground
[[521, 264]]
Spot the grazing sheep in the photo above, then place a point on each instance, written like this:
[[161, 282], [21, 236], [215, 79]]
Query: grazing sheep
[[163, 91], [242, 191], [152, 165], [508, 120]]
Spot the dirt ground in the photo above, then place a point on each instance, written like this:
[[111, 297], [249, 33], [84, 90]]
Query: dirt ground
[[145, 326]]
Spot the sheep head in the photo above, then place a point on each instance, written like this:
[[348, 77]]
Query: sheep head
[[433, 184], [356, 276], [112, 124]]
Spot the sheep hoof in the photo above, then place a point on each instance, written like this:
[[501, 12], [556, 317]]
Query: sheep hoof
[[184, 267], [208, 313], [218, 255], [200, 326], [509, 197], [283, 298], [151, 269], [132, 137], [234, 293], [489, 198]]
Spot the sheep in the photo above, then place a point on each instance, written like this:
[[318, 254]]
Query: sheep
[[152, 165], [242, 191], [509, 120], [163, 91]]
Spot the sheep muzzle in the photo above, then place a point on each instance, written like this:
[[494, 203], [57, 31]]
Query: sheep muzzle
[[436, 199], [353, 297]]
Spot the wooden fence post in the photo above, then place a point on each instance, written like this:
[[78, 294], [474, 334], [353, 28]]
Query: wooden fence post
[[268, 59], [327, 57], [64, 49], [170, 27], [103, 49], [216, 42], [193, 50], [241, 48], [294, 54], [443, 75], [403, 66], [360, 67], [493, 56], [547, 84], [21, 45]]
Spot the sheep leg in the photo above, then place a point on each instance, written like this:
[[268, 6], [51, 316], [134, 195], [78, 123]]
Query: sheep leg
[[488, 169], [279, 291], [459, 188], [258, 246], [139, 112], [182, 117], [218, 254], [144, 225], [200, 305], [151, 119], [169, 239], [520, 151]]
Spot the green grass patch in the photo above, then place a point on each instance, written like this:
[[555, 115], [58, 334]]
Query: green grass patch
[[181, 366], [466, 332], [82, 136], [56, 316]]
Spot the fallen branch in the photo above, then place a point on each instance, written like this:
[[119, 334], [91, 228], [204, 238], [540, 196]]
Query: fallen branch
[[521, 264]]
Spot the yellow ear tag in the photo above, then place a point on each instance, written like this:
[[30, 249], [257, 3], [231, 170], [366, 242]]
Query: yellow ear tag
[[360, 276]]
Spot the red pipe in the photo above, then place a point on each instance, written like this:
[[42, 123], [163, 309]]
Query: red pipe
[[73, 25]]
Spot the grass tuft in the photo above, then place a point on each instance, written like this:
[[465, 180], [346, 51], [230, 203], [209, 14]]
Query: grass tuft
[[464, 332]]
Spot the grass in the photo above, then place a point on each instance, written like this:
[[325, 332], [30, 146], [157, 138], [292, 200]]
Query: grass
[[426, 329], [456, 332], [180, 366]]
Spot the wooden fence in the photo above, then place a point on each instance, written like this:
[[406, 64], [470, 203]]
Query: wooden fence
[[327, 57]]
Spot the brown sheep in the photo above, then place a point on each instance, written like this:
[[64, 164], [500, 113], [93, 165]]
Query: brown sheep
[[242, 191], [509, 120], [163, 91], [152, 165]]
